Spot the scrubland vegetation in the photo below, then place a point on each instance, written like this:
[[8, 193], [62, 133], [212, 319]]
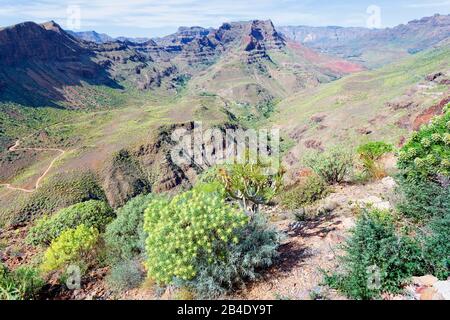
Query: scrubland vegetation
[[214, 239]]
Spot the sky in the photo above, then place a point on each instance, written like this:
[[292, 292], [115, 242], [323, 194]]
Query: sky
[[153, 18]]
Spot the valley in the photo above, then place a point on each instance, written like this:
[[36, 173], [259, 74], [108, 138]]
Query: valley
[[85, 117]]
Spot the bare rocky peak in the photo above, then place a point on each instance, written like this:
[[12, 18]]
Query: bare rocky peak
[[29, 40]]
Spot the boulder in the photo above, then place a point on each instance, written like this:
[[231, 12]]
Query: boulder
[[389, 183], [443, 288], [427, 280]]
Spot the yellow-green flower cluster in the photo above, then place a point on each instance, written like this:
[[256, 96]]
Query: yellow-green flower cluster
[[189, 227], [69, 246]]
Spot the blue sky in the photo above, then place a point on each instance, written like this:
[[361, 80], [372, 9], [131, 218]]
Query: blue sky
[[152, 18]]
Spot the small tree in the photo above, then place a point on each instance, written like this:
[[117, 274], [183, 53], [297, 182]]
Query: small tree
[[251, 185], [369, 154]]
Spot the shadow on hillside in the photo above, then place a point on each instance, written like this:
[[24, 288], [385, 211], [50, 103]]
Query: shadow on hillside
[[48, 83]]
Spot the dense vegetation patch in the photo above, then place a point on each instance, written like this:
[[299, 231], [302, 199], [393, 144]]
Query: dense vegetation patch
[[91, 213], [21, 284], [425, 171], [255, 250], [436, 246], [377, 259], [185, 230], [125, 236], [427, 153], [201, 242], [72, 246]]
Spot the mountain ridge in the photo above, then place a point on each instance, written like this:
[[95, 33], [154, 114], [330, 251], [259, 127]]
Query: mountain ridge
[[360, 44]]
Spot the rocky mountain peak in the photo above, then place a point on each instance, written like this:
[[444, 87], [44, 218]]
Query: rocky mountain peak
[[31, 41], [263, 36], [52, 26]]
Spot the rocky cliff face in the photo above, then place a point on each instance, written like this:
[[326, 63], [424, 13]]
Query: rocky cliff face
[[261, 38]]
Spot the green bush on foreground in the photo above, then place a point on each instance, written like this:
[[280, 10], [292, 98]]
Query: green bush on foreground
[[125, 236], [376, 259], [422, 199], [92, 213], [436, 244], [255, 251], [427, 153], [190, 227], [312, 189], [21, 284], [72, 246], [125, 275], [374, 150], [332, 166], [425, 171]]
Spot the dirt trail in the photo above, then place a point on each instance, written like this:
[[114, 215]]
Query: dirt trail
[[15, 147]]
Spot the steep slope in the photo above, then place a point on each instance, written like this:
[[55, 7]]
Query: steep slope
[[259, 66], [385, 104], [39, 62], [373, 47]]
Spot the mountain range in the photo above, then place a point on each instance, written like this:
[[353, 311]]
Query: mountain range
[[373, 47], [102, 98], [40, 62]]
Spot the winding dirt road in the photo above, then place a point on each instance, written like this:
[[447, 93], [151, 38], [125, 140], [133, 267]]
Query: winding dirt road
[[15, 147]]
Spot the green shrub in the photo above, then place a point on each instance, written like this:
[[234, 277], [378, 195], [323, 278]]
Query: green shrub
[[191, 226], [376, 259], [427, 153], [125, 275], [369, 154], [425, 171], [251, 185], [72, 246], [21, 284], [125, 236], [307, 192], [422, 199], [59, 191], [374, 150], [437, 247], [255, 251], [332, 166], [92, 213]]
